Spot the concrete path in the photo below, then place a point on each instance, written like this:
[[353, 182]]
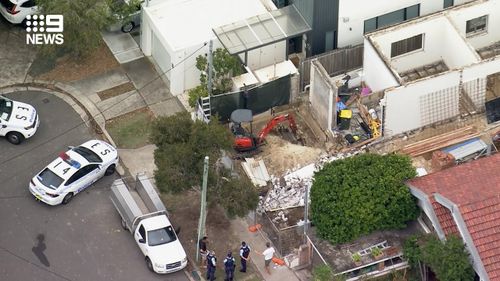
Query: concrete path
[[257, 241], [139, 160], [122, 45], [152, 87]]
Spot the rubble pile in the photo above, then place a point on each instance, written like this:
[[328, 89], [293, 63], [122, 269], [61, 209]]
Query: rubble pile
[[288, 191]]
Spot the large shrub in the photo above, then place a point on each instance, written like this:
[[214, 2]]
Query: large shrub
[[182, 145], [449, 260], [361, 194]]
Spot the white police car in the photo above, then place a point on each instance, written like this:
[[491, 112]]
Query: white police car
[[74, 170], [18, 120]]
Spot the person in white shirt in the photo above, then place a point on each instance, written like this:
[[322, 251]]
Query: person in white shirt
[[268, 256]]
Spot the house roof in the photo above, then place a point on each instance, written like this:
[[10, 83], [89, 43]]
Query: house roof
[[475, 188], [187, 23]]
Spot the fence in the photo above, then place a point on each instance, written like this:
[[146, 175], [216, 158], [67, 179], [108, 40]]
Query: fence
[[334, 62], [285, 240], [259, 99]]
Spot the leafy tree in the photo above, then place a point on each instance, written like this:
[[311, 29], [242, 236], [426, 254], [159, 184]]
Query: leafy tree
[[83, 21], [449, 260], [224, 67], [182, 145], [361, 194], [322, 273]]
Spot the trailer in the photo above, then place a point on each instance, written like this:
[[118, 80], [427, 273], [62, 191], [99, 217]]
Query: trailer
[[146, 218]]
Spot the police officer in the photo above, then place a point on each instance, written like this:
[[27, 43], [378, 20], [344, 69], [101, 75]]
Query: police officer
[[229, 265], [211, 265], [244, 256]]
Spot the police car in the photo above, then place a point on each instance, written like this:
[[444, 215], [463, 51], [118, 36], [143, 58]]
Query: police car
[[73, 171], [18, 121]]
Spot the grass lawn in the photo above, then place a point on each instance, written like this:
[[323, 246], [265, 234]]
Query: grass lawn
[[131, 130]]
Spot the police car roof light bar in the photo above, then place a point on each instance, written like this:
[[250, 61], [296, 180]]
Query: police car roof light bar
[[65, 157]]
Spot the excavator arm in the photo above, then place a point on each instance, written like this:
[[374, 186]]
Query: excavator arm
[[275, 121]]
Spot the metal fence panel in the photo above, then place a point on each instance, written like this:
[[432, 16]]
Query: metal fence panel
[[258, 99]]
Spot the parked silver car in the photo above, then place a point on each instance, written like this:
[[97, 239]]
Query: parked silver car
[[128, 24]]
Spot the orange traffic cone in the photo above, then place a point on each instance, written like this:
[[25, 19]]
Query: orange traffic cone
[[254, 228]]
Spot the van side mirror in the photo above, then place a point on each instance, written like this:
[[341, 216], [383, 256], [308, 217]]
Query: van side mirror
[[70, 147], [142, 241]]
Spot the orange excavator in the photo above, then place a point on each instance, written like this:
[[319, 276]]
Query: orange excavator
[[245, 141]]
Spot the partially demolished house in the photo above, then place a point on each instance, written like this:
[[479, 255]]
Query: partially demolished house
[[464, 201], [435, 67]]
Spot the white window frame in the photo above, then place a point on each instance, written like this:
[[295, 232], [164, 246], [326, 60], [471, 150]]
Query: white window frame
[[477, 31]]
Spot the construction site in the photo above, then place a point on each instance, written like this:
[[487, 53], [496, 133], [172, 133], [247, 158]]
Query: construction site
[[337, 118]]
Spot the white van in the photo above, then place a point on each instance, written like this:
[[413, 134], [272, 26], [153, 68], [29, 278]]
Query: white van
[[18, 120]]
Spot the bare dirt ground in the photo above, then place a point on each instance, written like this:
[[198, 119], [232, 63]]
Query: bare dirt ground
[[280, 155], [67, 69], [184, 211], [283, 152]]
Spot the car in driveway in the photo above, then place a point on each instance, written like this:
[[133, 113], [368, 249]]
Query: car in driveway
[[73, 171], [128, 23], [18, 120], [15, 11]]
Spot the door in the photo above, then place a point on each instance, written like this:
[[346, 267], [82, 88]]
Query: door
[[82, 179], [3, 127], [329, 40], [140, 239]]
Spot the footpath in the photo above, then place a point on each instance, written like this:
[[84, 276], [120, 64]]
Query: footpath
[[82, 96]]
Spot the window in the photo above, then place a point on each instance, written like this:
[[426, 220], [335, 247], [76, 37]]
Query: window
[[448, 3], [329, 40], [50, 179], [28, 4], [392, 18], [81, 173], [161, 236], [477, 25], [88, 154], [142, 231], [407, 45]]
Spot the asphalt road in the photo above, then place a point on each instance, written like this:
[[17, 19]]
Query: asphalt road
[[79, 241]]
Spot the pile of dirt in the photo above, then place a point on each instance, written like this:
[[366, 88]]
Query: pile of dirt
[[280, 155]]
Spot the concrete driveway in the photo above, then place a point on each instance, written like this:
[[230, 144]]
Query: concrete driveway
[[79, 241]]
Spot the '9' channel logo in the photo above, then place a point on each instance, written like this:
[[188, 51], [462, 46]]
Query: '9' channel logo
[[44, 29]]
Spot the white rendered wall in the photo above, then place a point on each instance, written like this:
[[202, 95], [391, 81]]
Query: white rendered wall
[[491, 8], [481, 70], [440, 42], [357, 11], [402, 104], [375, 72], [455, 50], [432, 46], [265, 56]]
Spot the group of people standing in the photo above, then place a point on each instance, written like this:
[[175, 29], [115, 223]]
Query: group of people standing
[[209, 260]]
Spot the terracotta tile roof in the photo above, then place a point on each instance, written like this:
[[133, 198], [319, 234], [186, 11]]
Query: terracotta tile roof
[[482, 176], [475, 188], [445, 219]]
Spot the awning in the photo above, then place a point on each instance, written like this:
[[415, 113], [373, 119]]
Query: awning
[[262, 30]]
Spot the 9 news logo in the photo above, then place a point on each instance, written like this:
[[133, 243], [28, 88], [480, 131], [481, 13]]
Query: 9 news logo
[[44, 29]]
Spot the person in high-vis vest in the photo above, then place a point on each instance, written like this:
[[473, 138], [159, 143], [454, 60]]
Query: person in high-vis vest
[[211, 265], [244, 256], [229, 265]]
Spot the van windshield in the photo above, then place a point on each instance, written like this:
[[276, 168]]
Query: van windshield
[[161, 236]]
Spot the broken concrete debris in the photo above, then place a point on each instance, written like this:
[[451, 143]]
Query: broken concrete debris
[[256, 171], [288, 191]]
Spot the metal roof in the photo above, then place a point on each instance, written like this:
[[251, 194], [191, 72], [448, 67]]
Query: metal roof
[[262, 30]]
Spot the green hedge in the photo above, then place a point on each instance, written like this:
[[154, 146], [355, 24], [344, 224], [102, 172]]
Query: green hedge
[[358, 195]]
